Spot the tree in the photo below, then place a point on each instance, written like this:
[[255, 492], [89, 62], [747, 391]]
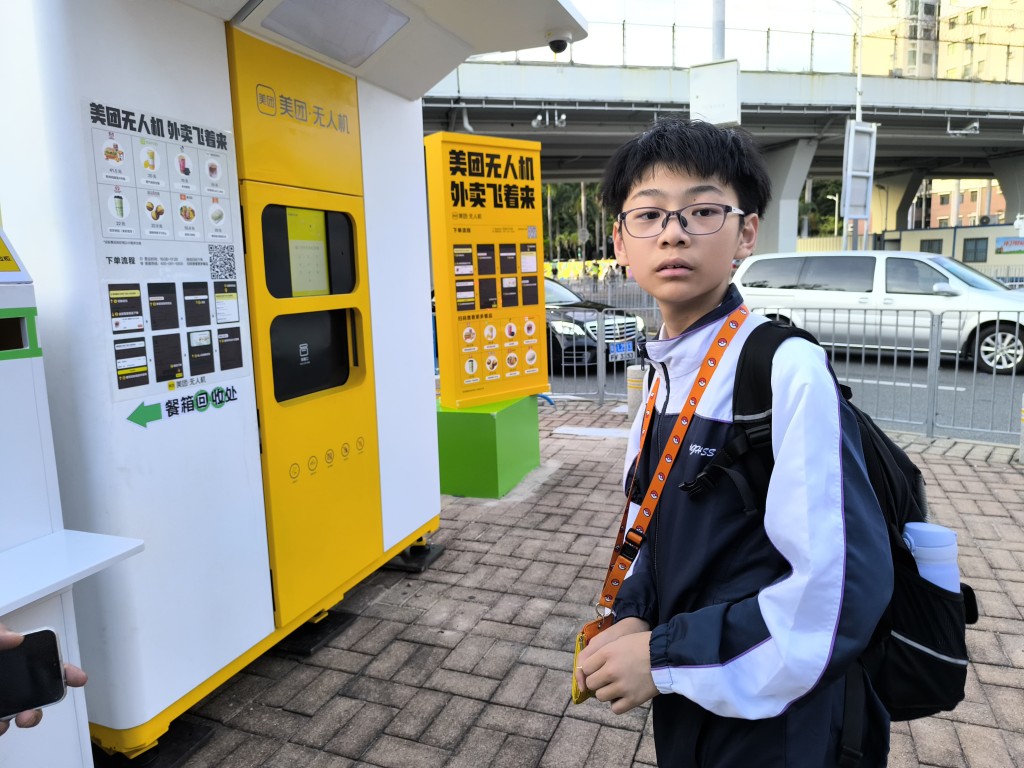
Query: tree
[[564, 221]]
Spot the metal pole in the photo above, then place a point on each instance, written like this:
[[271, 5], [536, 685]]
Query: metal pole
[[860, 60], [934, 345], [602, 356], [718, 30], [1020, 452]]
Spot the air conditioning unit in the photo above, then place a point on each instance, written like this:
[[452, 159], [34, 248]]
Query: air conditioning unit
[[985, 220], [896, 72]]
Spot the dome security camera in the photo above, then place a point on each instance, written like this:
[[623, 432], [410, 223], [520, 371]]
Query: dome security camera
[[559, 41]]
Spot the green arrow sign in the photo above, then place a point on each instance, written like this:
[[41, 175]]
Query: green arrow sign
[[145, 414]]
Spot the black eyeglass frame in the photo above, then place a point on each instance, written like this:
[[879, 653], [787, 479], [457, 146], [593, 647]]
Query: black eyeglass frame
[[726, 210]]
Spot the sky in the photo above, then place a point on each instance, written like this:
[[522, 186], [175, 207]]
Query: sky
[[757, 33]]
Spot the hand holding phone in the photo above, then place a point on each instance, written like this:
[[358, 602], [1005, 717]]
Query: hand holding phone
[[32, 676]]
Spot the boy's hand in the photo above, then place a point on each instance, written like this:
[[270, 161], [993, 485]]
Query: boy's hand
[[616, 665]]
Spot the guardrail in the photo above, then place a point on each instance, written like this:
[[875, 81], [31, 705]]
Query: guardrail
[[905, 367]]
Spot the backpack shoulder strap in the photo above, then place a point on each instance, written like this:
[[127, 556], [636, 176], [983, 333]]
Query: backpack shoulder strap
[[752, 414]]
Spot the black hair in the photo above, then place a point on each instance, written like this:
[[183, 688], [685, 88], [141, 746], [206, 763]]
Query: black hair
[[701, 149]]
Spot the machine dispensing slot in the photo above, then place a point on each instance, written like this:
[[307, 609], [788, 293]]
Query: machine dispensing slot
[[310, 352], [12, 334]]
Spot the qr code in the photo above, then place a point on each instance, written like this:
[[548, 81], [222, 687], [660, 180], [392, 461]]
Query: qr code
[[222, 262], [531, 232]]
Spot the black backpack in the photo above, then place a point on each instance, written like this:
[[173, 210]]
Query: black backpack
[[917, 658]]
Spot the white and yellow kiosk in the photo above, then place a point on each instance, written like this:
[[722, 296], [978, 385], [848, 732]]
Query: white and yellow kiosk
[[40, 560], [235, 296]]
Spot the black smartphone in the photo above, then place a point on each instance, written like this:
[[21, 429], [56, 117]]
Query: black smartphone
[[31, 675]]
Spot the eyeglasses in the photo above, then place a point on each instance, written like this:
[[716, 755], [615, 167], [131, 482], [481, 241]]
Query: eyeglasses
[[696, 219]]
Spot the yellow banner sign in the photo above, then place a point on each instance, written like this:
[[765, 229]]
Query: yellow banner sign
[[487, 250], [7, 262]]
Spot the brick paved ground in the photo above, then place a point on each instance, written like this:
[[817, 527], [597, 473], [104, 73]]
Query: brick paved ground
[[467, 665]]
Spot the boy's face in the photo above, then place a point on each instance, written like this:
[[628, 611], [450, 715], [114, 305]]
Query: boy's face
[[686, 274]]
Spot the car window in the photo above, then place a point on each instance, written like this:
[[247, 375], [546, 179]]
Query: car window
[[972, 277], [911, 276], [773, 273], [839, 273], [556, 293]]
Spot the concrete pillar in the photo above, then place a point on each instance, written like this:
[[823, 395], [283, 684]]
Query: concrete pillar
[[891, 203], [788, 168], [1010, 172]]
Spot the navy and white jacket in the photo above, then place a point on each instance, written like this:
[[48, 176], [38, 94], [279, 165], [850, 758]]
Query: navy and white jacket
[[749, 613]]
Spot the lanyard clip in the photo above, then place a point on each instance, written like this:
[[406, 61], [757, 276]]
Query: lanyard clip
[[631, 546]]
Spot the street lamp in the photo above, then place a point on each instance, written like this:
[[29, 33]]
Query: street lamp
[[859, 19], [835, 219]]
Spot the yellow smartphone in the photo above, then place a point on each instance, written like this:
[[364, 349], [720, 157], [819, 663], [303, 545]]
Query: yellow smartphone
[[579, 695]]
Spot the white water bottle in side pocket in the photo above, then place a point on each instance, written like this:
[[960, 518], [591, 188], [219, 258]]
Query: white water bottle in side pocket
[[934, 550]]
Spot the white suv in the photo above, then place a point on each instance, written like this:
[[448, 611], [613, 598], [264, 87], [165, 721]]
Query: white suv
[[886, 300]]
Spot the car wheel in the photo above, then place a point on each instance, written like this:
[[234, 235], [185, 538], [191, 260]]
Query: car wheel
[[1000, 348]]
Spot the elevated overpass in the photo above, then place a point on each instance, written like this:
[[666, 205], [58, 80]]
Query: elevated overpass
[[926, 128]]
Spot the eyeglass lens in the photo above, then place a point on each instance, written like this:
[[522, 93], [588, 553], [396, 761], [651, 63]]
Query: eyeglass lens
[[699, 219]]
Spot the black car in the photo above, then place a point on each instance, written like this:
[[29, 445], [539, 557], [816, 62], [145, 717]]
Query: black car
[[573, 328]]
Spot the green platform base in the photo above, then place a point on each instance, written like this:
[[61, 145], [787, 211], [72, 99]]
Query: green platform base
[[486, 450]]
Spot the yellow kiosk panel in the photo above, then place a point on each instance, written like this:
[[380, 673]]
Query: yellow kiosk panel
[[296, 120], [309, 306]]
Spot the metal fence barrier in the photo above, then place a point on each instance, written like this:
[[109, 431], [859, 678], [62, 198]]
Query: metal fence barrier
[[906, 367]]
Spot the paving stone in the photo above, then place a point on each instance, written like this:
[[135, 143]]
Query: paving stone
[[570, 745], [268, 721], [221, 743], [553, 692], [418, 714], [462, 684], [468, 653], [340, 659], [392, 752], [379, 691], [936, 743], [516, 634], [984, 746], [467, 664], [518, 687], [353, 738], [253, 751], [479, 748], [499, 659], [420, 665], [296, 756], [326, 686], [613, 746], [519, 752], [452, 724], [285, 688], [232, 697], [518, 721], [326, 723]]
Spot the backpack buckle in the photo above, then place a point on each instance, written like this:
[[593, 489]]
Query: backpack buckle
[[849, 757], [698, 485]]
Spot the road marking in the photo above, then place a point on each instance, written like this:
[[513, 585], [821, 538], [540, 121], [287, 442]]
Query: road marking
[[592, 431], [902, 384]]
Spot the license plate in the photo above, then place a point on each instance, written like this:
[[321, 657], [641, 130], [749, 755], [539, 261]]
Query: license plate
[[620, 350]]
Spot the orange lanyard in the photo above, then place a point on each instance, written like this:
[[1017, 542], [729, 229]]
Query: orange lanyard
[[628, 542]]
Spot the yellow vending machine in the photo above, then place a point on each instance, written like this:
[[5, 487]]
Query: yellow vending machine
[[301, 193]]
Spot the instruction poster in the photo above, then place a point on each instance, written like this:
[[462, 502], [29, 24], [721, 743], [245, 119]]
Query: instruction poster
[[486, 247], [168, 250]]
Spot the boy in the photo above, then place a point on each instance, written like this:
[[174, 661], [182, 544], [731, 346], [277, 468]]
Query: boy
[[744, 624]]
